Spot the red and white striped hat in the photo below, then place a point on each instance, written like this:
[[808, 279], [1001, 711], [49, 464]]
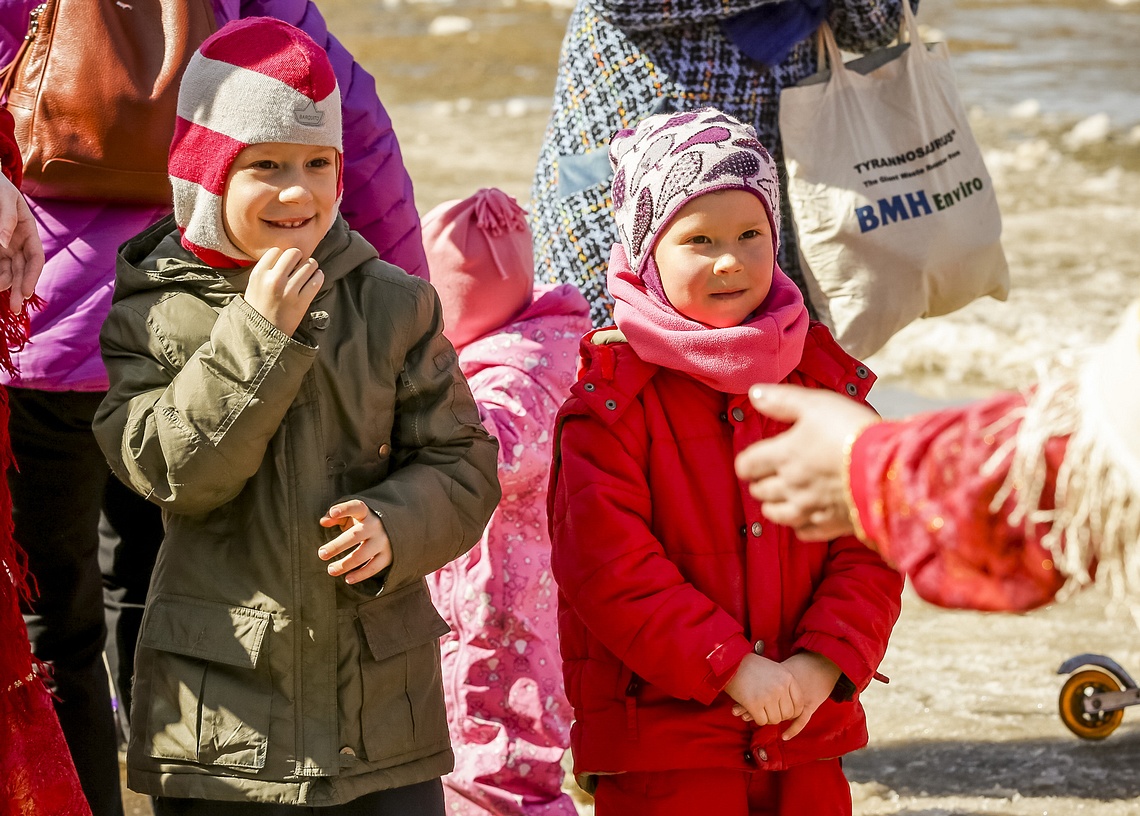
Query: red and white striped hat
[[255, 80]]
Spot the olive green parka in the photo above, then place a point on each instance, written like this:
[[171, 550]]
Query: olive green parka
[[260, 677]]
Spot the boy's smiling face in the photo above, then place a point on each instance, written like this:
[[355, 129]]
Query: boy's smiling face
[[716, 257], [280, 195]]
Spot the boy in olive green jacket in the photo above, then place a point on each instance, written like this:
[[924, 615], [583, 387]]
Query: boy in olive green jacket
[[290, 402]]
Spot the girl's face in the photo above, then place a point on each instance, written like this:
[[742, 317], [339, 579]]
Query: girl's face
[[280, 195], [716, 258]]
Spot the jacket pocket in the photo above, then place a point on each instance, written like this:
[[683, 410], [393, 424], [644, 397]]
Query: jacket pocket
[[207, 699], [403, 708]]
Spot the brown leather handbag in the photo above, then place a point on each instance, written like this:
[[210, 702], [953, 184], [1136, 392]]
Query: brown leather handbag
[[94, 92]]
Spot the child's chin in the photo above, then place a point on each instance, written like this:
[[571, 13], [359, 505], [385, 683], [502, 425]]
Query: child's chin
[[721, 322], [306, 248], [726, 319]]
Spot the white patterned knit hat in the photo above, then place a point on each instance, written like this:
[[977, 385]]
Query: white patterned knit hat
[[253, 81], [671, 158]]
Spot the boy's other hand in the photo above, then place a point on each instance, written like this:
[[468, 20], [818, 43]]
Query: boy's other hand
[[816, 676], [281, 287], [766, 692], [363, 538]]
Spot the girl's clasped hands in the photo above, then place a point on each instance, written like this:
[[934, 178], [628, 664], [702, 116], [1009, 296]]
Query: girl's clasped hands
[[768, 692]]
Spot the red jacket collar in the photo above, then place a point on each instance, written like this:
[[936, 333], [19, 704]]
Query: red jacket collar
[[826, 364], [611, 375]]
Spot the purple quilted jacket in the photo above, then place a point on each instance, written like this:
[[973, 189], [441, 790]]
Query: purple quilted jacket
[[81, 238]]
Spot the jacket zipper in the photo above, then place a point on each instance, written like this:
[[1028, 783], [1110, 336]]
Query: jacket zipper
[[34, 21], [12, 68], [457, 709], [300, 617], [632, 689]]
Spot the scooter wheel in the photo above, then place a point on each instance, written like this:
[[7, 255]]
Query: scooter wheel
[[1072, 704]]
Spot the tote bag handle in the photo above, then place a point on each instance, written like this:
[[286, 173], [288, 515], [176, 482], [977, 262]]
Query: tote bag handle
[[827, 46]]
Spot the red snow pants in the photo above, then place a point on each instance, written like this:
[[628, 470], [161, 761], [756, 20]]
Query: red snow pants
[[816, 788]]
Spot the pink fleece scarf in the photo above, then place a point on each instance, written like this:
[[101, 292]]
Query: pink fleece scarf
[[765, 348]]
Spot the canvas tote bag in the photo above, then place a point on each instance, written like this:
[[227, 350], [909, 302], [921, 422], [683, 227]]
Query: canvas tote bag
[[895, 212]]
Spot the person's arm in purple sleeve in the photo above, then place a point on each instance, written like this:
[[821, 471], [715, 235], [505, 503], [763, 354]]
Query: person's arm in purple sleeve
[[14, 16], [378, 199]]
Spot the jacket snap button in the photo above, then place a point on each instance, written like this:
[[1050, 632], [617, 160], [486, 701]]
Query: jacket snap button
[[347, 751], [862, 373], [589, 386], [743, 531], [384, 450], [611, 405], [761, 755], [319, 320], [758, 647], [757, 528], [738, 414], [852, 389]]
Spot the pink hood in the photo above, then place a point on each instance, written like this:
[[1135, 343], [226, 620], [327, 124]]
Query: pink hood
[[542, 342]]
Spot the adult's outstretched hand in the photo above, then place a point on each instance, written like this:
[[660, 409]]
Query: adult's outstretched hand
[[21, 253], [799, 475]]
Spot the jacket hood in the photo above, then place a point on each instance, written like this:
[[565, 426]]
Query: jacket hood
[[155, 259], [553, 300], [542, 340]]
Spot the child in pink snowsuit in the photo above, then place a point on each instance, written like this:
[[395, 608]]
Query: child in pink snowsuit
[[502, 676]]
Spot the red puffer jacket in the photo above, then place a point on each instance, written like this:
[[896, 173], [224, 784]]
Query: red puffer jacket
[[668, 574]]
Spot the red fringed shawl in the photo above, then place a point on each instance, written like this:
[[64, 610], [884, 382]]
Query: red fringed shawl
[[37, 777]]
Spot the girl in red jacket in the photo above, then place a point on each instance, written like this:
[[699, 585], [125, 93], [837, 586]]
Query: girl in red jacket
[[714, 662]]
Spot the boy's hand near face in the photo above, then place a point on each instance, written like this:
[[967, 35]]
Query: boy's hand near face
[[364, 539], [765, 691], [281, 287]]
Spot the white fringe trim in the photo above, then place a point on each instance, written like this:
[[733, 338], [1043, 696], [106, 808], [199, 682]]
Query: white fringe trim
[[1097, 515]]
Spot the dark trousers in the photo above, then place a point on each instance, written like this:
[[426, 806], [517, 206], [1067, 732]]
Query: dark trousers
[[130, 532], [56, 498], [424, 799]]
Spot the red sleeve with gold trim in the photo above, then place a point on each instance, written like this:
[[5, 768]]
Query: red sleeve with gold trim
[[923, 493]]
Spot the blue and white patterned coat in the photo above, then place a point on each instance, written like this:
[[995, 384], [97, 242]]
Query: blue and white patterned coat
[[624, 59]]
